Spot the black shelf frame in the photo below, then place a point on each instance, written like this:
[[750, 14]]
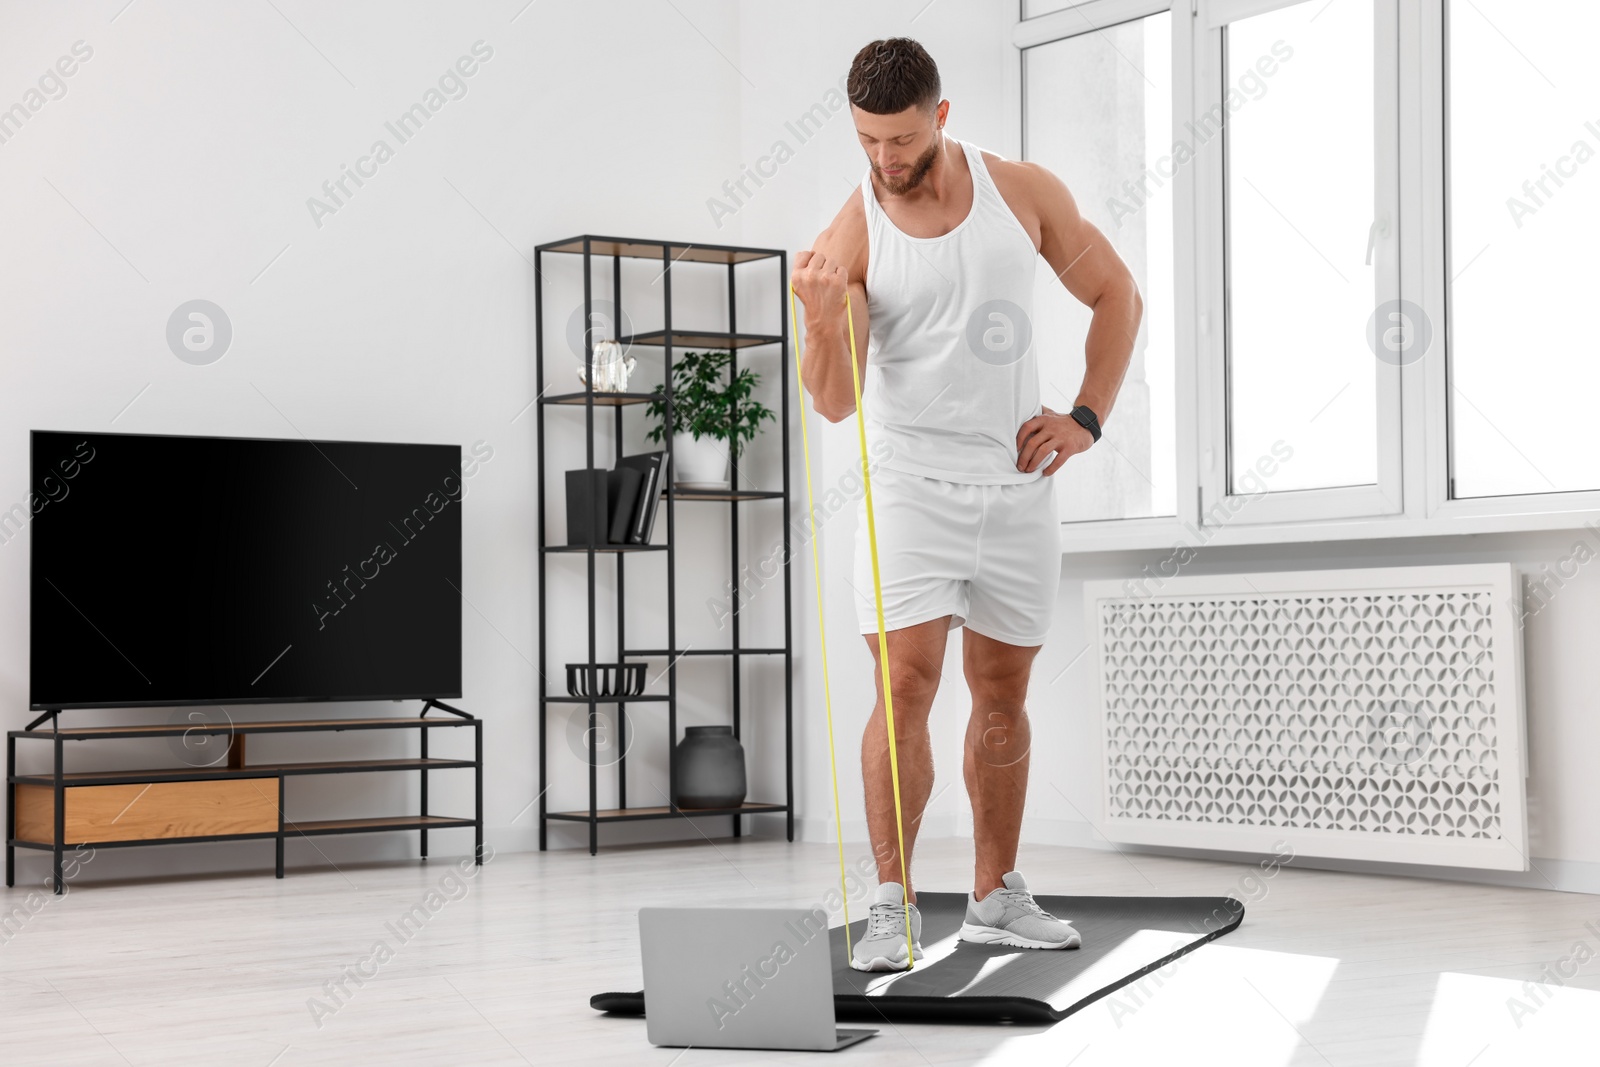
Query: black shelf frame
[[662, 812], [60, 780], [671, 255]]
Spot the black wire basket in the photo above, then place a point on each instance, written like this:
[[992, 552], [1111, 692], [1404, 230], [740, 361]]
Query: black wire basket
[[605, 679]]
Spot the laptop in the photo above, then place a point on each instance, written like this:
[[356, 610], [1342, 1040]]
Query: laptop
[[755, 978]]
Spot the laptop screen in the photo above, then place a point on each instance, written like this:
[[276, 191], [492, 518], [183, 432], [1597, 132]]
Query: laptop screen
[[737, 977]]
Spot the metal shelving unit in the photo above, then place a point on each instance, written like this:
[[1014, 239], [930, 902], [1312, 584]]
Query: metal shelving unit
[[671, 255]]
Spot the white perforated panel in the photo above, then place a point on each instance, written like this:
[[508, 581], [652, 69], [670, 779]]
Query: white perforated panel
[[1345, 712]]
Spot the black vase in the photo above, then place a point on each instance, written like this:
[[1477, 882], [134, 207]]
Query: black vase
[[710, 768]]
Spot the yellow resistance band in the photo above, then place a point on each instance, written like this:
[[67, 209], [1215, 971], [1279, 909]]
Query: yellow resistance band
[[822, 631]]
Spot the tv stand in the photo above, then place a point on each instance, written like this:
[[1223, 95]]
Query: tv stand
[[228, 800]]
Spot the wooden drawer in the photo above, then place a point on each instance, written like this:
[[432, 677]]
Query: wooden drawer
[[150, 811]]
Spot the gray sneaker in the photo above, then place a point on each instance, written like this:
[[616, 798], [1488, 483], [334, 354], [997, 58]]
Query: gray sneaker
[[884, 946], [1009, 916]]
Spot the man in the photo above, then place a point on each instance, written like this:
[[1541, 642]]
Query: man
[[938, 253]]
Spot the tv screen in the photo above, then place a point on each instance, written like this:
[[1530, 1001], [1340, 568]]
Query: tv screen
[[215, 570]]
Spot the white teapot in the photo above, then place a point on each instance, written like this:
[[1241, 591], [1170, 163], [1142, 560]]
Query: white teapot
[[611, 368]]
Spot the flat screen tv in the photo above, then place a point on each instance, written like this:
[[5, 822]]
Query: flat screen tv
[[218, 570]]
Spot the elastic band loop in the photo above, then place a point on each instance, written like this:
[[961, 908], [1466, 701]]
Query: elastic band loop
[[822, 627], [877, 593], [883, 637]]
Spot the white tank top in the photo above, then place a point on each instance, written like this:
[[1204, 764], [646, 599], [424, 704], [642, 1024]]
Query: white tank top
[[951, 373]]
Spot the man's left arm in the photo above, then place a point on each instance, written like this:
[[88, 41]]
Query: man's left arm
[[1090, 269]]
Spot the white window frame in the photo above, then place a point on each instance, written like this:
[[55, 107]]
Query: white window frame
[[1090, 18], [1211, 189], [1412, 497]]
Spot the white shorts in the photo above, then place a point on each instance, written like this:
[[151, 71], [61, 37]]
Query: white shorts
[[989, 556]]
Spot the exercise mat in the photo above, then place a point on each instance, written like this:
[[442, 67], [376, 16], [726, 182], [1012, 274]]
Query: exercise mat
[[1124, 939]]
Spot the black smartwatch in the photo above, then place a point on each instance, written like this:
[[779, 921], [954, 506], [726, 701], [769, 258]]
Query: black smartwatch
[[1087, 419]]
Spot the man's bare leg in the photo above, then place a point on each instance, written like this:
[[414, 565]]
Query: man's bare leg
[[916, 657], [997, 751]]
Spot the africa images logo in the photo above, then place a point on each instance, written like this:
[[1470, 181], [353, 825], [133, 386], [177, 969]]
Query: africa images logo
[[1399, 332], [199, 332], [999, 333]]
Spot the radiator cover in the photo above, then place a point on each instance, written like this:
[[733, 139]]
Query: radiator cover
[[1368, 714]]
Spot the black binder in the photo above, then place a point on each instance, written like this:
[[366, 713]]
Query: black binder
[[652, 467], [586, 506], [622, 500]]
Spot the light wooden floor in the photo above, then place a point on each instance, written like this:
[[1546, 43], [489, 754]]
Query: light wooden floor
[[1328, 969]]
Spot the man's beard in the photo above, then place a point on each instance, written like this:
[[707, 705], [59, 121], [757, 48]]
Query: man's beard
[[919, 170]]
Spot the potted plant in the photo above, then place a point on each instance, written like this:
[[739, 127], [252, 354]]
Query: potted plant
[[712, 417]]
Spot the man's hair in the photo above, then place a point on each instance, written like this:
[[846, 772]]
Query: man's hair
[[890, 75]]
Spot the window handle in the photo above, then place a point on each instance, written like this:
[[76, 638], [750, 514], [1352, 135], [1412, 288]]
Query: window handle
[[1379, 228]]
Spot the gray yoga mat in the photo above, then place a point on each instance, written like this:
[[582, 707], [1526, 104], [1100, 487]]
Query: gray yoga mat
[[1124, 939]]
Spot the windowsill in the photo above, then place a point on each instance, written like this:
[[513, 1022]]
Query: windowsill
[[1082, 538]]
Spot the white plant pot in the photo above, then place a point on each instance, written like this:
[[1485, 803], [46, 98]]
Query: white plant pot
[[701, 463]]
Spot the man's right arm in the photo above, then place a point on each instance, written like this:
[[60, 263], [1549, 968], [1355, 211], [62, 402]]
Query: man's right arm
[[821, 278]]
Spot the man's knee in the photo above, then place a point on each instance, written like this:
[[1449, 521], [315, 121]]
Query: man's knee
[[997, 674], [913, 685], [994, 687]]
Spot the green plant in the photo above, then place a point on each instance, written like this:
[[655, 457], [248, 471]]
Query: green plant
[[706, 404]]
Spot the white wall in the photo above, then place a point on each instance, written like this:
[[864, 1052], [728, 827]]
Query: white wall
[[178, 165]]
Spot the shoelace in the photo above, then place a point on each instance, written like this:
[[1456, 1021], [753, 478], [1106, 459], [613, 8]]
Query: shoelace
[[1025, 901], [886, 920]]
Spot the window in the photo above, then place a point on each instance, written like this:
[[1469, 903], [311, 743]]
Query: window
[[1099, 116], [1298, 123], [1032, 9], [1362, 231], [1296, 205], [1523, 132]]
